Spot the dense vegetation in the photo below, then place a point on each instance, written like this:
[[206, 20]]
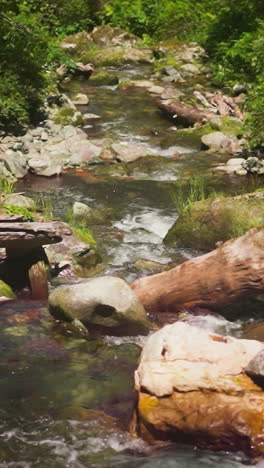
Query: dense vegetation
[[231, 32]]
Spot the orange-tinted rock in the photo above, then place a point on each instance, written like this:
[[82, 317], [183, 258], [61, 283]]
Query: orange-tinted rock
[[192, 387]]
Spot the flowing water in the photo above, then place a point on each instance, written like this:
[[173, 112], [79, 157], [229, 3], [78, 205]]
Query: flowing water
[[66, 401]]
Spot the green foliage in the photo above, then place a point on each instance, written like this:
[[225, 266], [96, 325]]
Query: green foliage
[[153, 18], [255, 119], [24, 57], [80, 228], [29, 52], [85, 235], [6, 187], [11, 210], [184, 196]]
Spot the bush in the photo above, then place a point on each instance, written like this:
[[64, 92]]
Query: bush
[[24, 50], [28, 50]]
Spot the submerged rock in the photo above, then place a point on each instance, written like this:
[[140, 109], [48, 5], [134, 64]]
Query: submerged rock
[[191, 382], [107, 302]]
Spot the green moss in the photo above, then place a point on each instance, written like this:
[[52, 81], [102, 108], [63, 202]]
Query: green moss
[[11, 210], [188, 136], [85, 235], [102, 77], [103, 57], [6, 187], [229, 125], [6, 291], [165, 62], [68, 116], [209, 221]]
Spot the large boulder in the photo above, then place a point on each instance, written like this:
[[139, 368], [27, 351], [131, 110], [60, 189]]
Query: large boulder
[[129, 152], [106, 302], [206, 222], [218, 141], [191, 382]]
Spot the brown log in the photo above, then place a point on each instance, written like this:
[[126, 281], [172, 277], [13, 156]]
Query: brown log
[[38, 279], [183, 114], [227, 274]]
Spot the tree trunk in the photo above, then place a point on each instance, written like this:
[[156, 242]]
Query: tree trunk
[[227, 274], [185, 115]]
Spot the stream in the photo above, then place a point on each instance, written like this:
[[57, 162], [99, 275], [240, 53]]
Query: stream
[[63, 397]]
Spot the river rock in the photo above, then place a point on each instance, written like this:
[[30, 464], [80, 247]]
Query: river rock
[[80, 211], [129, 152], [191, 382], [218, 141], [255, 368], [190, 69], [84, 153], [73, 252], [86, 215], [16, 164], [44, 167], [106, 301], [17, 199], [80, 99]]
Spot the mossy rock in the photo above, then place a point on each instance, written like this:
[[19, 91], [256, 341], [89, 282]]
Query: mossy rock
[[103, 77], [190, 137], [103, 57], [6, 291], [203, 223], [68, 116]]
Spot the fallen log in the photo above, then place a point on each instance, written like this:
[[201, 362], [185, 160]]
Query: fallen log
[[227, 274], [185, 115]]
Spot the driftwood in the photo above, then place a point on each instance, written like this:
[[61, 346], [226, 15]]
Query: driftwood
[[216, 105], [227, 274], [226, 105], [183, 114]]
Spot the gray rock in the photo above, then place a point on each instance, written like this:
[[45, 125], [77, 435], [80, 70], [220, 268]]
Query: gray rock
[[16, 165], [16, 199], [44, 167], [84, 214], [170, 70], [69, 131], [255, 368], [219, 141], [129, 152], [80, 211], [80, 99], [84, 153], [44, 136], [106, 301], [190, 68], [36, 132], [89, 116]]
